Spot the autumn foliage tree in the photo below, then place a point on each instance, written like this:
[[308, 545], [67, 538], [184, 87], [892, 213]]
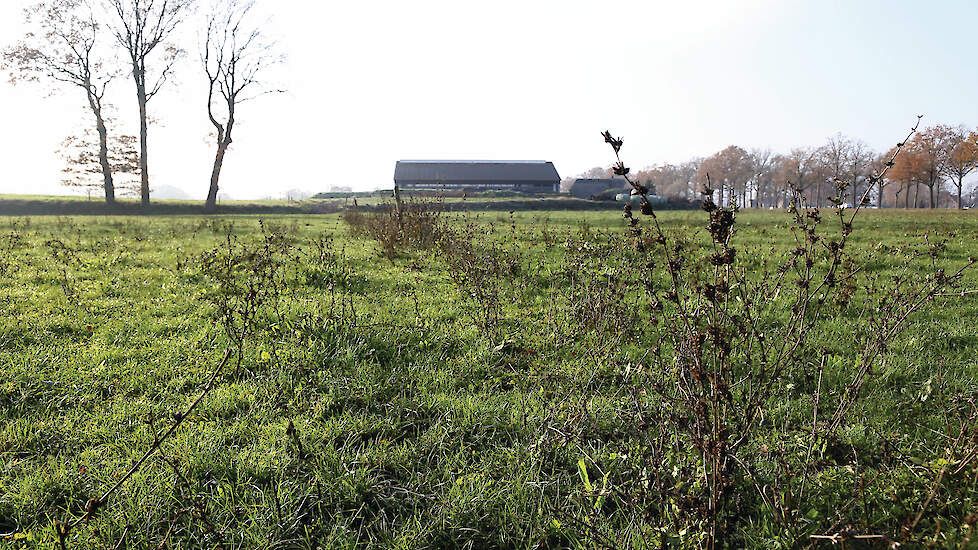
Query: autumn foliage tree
[[843, 169], [729, 171], [932, 149], [923, 164], [674, 181], [962, 157], [66, 46], [938, 159]]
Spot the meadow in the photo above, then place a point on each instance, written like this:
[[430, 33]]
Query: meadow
[[492, 392]]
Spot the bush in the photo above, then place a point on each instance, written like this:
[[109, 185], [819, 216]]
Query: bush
[[417, 225]]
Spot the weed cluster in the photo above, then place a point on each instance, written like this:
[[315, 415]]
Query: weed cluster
[[247, 285], [476, 269], [728, 345], [601, 282], [410, 224]]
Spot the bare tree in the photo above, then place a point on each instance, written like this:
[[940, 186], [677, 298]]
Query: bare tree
[[800, 169], [846, 160], [877, 167], [599, 172], [859, 168], [687, 172], [65, 47], [833, 159], [762, 175], [142, 28], [971, 198], [234, 56], [566, 183]]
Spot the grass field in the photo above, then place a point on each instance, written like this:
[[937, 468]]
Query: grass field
[[398, 403], [44, 205]]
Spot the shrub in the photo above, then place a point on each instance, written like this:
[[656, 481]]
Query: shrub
[[415, 224]]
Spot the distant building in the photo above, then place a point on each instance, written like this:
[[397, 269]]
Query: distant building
[[528, 176], [585, 188]]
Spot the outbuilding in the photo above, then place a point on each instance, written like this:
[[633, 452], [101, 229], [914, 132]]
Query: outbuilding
[[585, 188], [527, 176]]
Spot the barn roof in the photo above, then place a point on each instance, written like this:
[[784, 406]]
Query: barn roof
[[457, 171]]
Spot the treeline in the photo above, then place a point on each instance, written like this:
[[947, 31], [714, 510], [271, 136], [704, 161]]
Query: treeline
[[929, 173], [87, 45]]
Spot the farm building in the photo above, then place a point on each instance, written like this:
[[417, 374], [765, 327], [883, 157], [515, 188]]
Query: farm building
[[585, 188], [529, 176]]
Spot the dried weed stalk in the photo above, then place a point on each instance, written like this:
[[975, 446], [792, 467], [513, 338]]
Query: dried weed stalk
[[248, 281], [725, 341]]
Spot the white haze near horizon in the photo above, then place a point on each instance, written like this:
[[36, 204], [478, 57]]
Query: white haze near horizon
[[372, 82]]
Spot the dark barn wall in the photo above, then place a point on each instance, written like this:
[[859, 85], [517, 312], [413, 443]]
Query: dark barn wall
[[524, 176], [586, 188], [529, 186]]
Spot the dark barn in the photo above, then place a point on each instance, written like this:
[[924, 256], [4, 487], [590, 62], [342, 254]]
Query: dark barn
[[585, 188], [528, 176]]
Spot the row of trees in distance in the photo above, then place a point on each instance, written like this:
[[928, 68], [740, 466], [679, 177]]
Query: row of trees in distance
[[931, 172], [87, 45]]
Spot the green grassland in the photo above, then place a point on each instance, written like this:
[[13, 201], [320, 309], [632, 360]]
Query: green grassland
[[418, 423], [28, 205], [78, 205]]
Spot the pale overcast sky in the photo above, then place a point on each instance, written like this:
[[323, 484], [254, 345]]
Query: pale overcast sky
[[372, 82]]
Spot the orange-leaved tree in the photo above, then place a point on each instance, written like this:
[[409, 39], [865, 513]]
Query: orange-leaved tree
[[925, 162], [962, 157]]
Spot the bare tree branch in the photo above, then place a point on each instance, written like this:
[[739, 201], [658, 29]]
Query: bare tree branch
[[65, 47], [143, 28], [234, 55]]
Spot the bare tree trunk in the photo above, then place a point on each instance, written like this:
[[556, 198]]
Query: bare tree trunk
[[143, 154], [222, 148], [960, 185], [932, 199], [103, 147], [142, 27], [103, 159], [397, 204]]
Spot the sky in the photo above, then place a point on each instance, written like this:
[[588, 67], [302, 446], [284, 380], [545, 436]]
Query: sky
[[371, 82]]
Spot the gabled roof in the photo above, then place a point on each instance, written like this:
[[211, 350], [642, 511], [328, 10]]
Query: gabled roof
[[460, 171]]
